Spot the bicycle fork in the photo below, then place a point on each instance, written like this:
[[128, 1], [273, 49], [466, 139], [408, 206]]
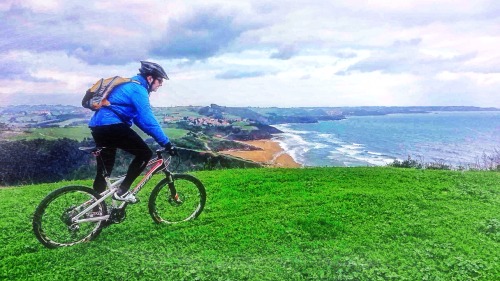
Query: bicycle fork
[[174, 196]]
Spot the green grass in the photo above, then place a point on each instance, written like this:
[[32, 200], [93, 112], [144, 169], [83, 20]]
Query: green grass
[[283, 224], [174, 133], [80, 133], [76, 133]]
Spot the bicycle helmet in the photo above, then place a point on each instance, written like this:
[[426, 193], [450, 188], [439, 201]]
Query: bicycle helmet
[[153, 69]]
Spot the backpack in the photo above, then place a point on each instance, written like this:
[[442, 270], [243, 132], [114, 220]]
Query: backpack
[[97, 96]]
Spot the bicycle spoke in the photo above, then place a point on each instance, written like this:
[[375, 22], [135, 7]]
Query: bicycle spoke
[[55, 223], [189, 204]]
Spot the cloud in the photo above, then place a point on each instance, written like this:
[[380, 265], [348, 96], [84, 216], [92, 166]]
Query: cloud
[[20, 66], [456, 88], [23, 29], [237, 74], [111, 55], [407, 57], [200, 35], [13, 69], [337, 52], [71, 30], [285, 52]]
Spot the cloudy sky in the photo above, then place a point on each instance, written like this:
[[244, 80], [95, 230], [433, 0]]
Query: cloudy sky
[[256, 52]]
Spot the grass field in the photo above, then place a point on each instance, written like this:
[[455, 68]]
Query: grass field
[[282, 224], [80, 133], [76, 133]]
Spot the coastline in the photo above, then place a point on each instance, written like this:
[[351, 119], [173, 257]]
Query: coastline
[[271, 154]]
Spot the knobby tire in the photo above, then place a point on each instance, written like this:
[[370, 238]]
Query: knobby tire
[[191, 192], [51, 221]]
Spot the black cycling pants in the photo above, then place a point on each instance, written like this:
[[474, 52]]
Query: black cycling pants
[[123, 137]]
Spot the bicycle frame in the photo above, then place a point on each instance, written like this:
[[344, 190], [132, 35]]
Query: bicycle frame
[[76, 213], [157, 164]]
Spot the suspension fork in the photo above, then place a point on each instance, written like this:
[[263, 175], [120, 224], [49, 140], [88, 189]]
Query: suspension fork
[[171, 185]]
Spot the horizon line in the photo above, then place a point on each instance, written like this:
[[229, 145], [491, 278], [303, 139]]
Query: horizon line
[[253, 106]]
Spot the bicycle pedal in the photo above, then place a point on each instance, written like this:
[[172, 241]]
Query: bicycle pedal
[[127, 197]]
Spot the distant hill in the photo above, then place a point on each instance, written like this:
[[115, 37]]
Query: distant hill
[[41, 116], [276, 115]]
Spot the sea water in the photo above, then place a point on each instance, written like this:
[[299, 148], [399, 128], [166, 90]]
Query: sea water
[[452, 138]]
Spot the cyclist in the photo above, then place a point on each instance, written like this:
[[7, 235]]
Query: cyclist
[[111, 128]]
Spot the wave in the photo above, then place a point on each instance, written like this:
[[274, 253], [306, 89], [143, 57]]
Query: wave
[[286, 128], [355, 154], [299, 144], [293, 142], [379, 140]]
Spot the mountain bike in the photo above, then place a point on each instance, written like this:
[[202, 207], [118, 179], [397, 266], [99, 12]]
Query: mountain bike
[[76, 214]]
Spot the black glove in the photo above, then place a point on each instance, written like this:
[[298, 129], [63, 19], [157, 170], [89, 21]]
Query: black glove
[[170, 148]]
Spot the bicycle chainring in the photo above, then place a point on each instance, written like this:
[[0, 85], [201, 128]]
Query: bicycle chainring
[[117, 215]]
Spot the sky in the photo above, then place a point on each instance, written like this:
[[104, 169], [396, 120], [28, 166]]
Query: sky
[[300, 53]]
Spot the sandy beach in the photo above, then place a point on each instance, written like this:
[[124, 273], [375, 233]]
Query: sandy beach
[[271, 154]]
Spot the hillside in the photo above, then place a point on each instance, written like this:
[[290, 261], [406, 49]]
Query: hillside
[[283, 224]]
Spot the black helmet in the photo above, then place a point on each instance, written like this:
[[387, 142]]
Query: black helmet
[[153, 69]]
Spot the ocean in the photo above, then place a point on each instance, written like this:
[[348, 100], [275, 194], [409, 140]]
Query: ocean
[[452, 138]]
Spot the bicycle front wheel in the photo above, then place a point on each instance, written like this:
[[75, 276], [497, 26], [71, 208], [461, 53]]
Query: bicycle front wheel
[[54, 221], [189, 205]]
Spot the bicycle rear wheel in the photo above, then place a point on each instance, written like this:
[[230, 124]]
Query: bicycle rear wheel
[[192, 197], [52, 221]]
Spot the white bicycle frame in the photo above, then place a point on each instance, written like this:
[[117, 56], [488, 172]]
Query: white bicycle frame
[[112, 188], [159, 164]]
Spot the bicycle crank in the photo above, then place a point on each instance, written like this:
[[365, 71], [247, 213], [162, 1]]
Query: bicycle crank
[[117, 215]]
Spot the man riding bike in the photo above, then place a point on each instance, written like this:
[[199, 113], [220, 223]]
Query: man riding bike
[[111, 127]]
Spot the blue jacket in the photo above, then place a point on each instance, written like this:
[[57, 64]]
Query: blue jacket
[[131, 102]]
